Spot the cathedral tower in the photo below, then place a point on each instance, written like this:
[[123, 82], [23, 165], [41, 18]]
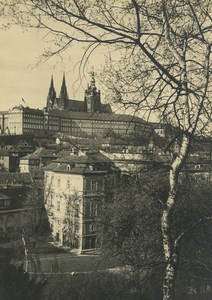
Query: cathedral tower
[[63, 99], [92, 97], [51, 98]]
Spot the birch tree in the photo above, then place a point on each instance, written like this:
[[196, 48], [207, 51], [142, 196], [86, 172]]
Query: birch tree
[[164, 48], [131, 232]]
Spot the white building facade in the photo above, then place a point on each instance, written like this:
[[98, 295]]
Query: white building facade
[[75, 190]]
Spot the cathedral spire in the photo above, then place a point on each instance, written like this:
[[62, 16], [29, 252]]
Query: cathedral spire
[[63, 91], [51, 84], [51, 88], [63, 99], [51, 95]]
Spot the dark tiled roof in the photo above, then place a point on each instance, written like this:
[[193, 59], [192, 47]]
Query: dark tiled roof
[[78, 164], [40, 152], [88, 158], [106, 108], [79, 106], [13, 150], [28, 109], [73, 169], [96, 116], [75, 105], [50, 166], [33, 110]]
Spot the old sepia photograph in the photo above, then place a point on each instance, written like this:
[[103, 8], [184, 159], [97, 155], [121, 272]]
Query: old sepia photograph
[[105, 150]]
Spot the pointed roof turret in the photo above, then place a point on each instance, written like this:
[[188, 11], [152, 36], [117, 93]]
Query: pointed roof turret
[[51, 95], [63, 91], [93, 83], [52, 92], [92, 96], [52, 89]]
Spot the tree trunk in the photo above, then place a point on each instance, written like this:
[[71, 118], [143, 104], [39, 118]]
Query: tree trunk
[[169, 247], [169, 278], [26, 254]]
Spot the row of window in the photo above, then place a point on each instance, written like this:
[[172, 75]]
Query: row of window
[[55, 127], [93, 209], [69, 125], [91, 184], [74, 209], [34, 121], [73, 227], [28, 116], [94, 184], [66, 122], [33, 126], [52, 122]]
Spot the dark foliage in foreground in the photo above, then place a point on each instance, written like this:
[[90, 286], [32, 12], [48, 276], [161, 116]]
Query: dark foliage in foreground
[[132, 233], [94, 286], [15, 284]]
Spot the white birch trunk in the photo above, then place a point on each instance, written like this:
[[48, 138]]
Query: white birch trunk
[[169, 247]]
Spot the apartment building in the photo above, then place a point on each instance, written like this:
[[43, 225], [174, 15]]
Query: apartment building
[[76, 187]]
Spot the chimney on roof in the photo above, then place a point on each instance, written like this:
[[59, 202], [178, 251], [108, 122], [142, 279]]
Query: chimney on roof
[[81, 153]]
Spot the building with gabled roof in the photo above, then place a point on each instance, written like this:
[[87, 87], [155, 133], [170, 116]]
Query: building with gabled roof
[[37, 160], [10, 157]]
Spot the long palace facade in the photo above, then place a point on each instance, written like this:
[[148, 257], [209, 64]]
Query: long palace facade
[[89, 117]]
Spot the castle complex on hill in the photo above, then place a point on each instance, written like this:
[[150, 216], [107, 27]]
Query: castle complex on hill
[[73, 117], [92, 100]]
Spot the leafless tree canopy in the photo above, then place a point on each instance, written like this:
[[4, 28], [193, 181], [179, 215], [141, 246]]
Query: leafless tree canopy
[[161, 58]]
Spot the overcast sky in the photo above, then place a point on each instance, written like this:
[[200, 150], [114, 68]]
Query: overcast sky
[[22, 77]]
